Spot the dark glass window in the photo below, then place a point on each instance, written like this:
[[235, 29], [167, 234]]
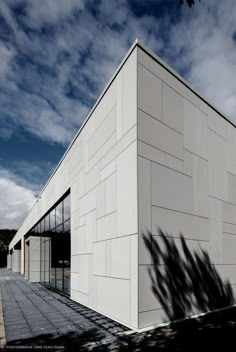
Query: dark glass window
[[54, 232], [59, 214], [66, 203], [47, 222], [52, 218], [42, 229], [67, 226]]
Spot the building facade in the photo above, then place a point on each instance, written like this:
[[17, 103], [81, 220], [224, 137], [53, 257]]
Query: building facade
[[152, 152]]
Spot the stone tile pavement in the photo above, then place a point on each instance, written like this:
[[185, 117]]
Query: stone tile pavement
[[2, 327], [31, 310]]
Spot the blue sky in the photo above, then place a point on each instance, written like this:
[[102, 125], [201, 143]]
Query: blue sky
[[56, 56]]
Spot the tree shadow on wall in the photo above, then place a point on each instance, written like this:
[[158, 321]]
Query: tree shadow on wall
[[185, 282]]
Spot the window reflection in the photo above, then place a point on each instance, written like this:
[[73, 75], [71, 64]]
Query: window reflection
[[52, 218], [59, 214], [47, 224], [66, 204]]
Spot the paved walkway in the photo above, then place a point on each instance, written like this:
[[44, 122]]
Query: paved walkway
[[31, 310]]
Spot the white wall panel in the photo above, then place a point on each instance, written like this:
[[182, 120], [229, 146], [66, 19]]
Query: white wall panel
[[152, 318], [188, 163], [174, 222], [231, 148], [81, 240], [119, 105], [111, 191], [172, 108], [159, 135], [108, 257], [120, 257], [229, 212], [229, 228], [217, 176], [16, 261], [217, 123], [90, 229], [84, 274], [145, 206], [113, 297], [105, 148], [171, 189], [127, 217], [108, 101], [99, 258], [105, 130], [215, 229], [194, 129], [101, 199], [75, 265], [106, 227], [9, 261], [129, 97], [149, 93], [232, 188], [147, 300], [229, 252], [108, 170], [200, 187], [92, 178], [152, 153], [88, 202]]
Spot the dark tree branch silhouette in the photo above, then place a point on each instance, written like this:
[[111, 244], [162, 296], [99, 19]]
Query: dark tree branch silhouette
[[185, 283], [189, 2]]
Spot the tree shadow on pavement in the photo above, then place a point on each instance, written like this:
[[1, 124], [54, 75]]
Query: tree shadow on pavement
[[92, 339], [213, 333]]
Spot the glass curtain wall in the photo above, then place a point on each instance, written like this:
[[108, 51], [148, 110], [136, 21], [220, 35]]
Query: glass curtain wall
[[60, 246], [54, 232]]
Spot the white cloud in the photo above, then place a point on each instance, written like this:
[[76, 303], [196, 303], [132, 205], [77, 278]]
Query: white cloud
[[56, 76], [20, 189], [15, 201], [203, 43], [43, 12], [5, 59]]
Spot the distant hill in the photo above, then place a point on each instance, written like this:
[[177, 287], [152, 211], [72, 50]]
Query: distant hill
[[6, 236]]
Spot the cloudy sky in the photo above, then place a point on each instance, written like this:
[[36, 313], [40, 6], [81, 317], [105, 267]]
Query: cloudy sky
[[56, 56]]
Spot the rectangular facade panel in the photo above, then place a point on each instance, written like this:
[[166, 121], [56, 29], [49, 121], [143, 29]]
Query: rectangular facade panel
[[127, 191]]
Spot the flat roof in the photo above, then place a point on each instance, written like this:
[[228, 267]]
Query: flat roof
[[149, 52]]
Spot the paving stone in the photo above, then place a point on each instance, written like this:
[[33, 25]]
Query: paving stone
[[10, 326], [31, 310]]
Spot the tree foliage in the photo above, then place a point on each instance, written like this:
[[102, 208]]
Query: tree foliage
[[189, 2], [6, 236]]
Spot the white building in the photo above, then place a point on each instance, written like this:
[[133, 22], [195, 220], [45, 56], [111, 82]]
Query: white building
[[152, 152]]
